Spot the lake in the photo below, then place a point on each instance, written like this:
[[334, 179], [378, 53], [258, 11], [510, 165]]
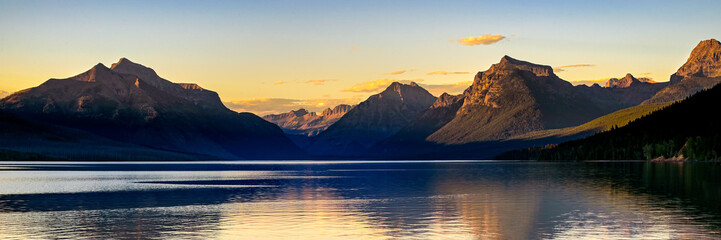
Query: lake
[[360, 200]]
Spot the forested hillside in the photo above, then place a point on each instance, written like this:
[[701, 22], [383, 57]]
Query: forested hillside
[[687, 129]]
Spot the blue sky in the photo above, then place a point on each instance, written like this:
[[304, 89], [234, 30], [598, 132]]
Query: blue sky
[[263, 50]]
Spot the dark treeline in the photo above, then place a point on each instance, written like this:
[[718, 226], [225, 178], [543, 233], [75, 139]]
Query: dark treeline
[[688, 129]]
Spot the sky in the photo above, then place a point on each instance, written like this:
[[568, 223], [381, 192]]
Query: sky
[[276, 56]]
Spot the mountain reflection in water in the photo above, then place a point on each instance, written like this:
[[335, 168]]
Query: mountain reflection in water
[[366, 200]]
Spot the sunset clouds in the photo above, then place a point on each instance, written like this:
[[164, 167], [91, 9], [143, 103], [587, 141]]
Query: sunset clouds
[[400, 72], [265, 106], [4, 94], [445, 73], [374, 85], [563, 68], [318, 82], [487, 39]]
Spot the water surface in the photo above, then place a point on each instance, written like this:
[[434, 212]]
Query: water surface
[[360, 200]]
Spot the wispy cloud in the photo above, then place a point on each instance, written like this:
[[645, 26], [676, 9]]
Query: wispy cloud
[[400, 72], [563, 68], [319, 81], [265, 106], [487, 39], [445, 73], [374, 85], [4, 94], [450, 88], [279, 82]]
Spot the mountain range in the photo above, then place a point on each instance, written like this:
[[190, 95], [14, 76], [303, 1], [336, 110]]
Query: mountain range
[[130, 103], [300, 125], [373, 120], [695, 134], [302, 122], [662, 127], [514, 104], [517, 103]]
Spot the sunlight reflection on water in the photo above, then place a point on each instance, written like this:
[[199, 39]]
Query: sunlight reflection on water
[[361, 200]]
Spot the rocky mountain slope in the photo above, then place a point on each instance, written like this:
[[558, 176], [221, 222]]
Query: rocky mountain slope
[[188, 91], [619, 93], [373, 120], [701, 71], [515, 97], [626, 81], [520, 101], [695, 134], [120, 104], [302, 122]]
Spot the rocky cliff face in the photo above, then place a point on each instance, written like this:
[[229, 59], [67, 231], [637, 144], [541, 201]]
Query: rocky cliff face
[[98, 93], [705, 61], [701, 71], [337, 112], [373, 120], [620, 93], [302, 122], [123, 106], [626, 81], [514, 97], [188, 91]]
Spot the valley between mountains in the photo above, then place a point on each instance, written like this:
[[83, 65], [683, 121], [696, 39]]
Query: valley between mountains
[[128, 112]]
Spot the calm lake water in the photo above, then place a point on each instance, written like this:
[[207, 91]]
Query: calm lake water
[[360, 200]]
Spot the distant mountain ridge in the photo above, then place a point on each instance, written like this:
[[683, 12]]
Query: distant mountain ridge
[[626, 81], [302, 122], [373, 120], [122, 105]]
